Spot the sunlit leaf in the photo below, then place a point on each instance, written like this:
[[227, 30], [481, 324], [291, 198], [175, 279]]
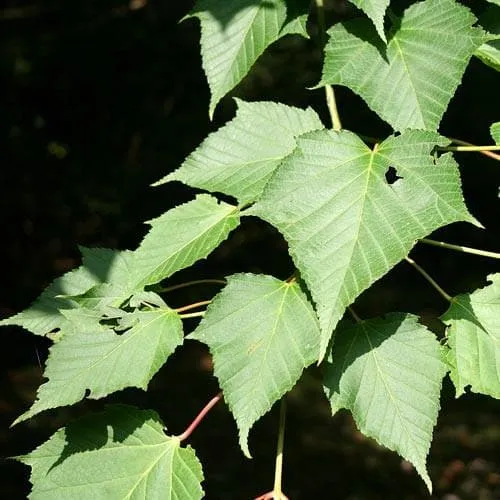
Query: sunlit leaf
[[180, 237], [94, 362], [117, 454], [262, 332], [375, 10], [495, 132], [489, 52], [474, 339], [388, 373], [240, 157], [234, 34], [346, 221], [410, 82], [99, 264]]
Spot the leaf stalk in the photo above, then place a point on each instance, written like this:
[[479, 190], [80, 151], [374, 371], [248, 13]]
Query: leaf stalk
[[192, 426], [331, 102], [191, 283], [460, 248], [277, 493], [482, 151], [448, 297], [192, 306]]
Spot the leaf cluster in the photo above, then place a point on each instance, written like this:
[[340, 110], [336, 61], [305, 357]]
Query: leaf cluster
[[329, 193]]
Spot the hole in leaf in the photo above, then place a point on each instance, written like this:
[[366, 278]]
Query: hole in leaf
[[391, 176]]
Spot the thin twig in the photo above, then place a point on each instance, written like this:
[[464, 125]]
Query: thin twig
[[449, 298], [200, 417], [460, 248]]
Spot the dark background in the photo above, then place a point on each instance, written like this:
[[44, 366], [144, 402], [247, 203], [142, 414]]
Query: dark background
[[101, 98]]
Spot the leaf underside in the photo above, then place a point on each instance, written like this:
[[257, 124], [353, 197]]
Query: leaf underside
[[345, 224], [119, 453], [474, 340], [388, 373], [262, 333]]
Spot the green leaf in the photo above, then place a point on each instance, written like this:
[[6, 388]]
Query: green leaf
[[375, 10], [409, 82], [262, 332], [495, 2], [234, 34], [180, 237], [489, 52], [495, 132], [474, 340], [99, 361], [388, 373], [345, 225], [239, 158], [119, 453], [99, 264]]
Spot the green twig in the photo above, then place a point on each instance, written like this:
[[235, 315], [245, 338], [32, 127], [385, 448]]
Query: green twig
[[481, 149], [470, 148], [460, 248], [277, 493], [329, 92], [449, 298], [278, 471]]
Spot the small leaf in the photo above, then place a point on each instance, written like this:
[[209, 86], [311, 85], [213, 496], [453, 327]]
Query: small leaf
[[119, 453], [375, 10], [234, 34], [240, 157], [180, 237], [346, 225], [474, 340], [495, 132], [262, 332], [388, 373], [489, 52], [409, 82], [99, 361], [44, 316]]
